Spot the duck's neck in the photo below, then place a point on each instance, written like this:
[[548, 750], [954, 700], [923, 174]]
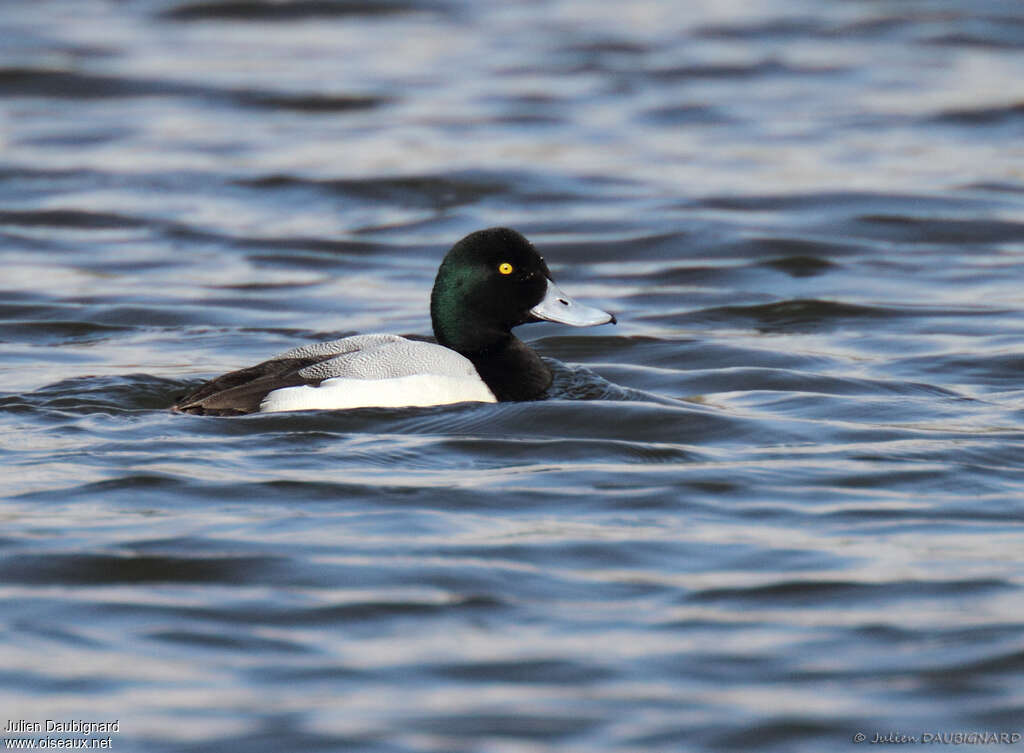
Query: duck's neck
[[507, 365], [509, 368]]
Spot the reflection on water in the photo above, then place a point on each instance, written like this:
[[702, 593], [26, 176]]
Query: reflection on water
[[779, 504]]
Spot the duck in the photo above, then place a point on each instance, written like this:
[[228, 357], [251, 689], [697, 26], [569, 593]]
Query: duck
[[488, 283]]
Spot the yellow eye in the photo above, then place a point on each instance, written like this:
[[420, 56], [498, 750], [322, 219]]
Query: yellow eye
[[505, 268]]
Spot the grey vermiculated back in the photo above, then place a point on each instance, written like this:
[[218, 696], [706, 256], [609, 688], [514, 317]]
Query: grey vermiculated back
[[338, 347], [383, 357]]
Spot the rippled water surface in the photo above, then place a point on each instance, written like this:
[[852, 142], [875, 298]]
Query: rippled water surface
[[778, 505]]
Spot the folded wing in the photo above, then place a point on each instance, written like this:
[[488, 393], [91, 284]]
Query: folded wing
[[365, 370]]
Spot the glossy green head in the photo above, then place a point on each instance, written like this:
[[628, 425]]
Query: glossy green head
[[486, 285]]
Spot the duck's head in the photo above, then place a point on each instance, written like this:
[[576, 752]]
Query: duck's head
[[493, 280]]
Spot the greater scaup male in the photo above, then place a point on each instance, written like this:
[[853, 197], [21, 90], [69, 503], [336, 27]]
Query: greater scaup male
[[489, 282]]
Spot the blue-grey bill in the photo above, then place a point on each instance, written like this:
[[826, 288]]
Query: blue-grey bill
[[558, 307]]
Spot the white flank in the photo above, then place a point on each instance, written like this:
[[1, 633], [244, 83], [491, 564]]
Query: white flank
[[340, 393]]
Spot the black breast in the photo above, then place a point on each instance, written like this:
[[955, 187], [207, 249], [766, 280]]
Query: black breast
[[512, 371]]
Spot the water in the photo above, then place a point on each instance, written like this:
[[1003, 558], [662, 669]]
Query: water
[[778, 505]]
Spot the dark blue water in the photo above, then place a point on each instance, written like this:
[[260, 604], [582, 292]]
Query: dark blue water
[[780, 504]]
